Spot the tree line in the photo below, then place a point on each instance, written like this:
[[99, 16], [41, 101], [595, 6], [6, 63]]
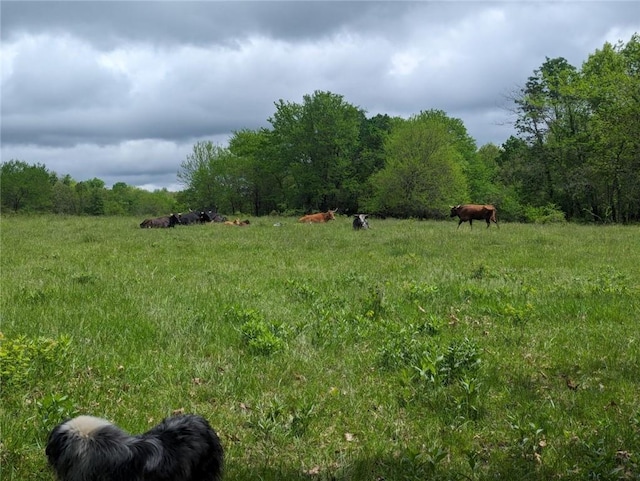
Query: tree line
[[575, 156], [33, 188]]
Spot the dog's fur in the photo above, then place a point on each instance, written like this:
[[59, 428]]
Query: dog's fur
[[180, 448]]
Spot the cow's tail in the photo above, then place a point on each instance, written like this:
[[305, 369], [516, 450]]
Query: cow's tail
[[494, 219]]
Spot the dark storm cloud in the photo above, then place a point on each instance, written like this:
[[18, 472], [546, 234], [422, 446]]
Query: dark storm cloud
[[122, 90], [108, 24]]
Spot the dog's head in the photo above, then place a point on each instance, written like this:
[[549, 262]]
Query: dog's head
[[68, 441]]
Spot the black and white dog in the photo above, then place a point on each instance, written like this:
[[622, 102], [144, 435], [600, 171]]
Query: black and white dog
[[180, 448], [360, 221]]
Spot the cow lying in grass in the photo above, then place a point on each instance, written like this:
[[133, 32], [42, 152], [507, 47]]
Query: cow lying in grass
[[360, 221], [160, 222], [237, 222], [320, 217], [471, 212]]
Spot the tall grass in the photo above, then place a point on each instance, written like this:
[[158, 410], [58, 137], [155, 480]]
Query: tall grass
[[409, 351]]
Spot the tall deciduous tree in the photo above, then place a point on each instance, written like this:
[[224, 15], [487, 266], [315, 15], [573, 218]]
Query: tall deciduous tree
[[551, 118], [423, 173], [581, 130], [611, 87], [91, 196], [25, 187], [64, 196], [205, 174], [318, 141], [262, 168]]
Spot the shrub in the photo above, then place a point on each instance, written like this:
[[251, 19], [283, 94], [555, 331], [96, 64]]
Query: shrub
[[22, 358], [548, 214], [53, 409], [260, 336]]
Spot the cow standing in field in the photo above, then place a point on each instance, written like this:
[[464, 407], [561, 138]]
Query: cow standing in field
[[471, 212], [160, 222], [320, 217], [360, 221]]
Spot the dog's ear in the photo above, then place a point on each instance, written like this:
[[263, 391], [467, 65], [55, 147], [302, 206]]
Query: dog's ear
[[56, 444]]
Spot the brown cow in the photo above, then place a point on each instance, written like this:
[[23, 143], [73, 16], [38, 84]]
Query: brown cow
[[320, 217], [237, 222], [471, 212]]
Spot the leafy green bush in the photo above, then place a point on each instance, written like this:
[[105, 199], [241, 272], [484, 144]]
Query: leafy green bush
[[53, 409], [442, 368], [22, 358], [548, 214], [260, 336], [432, 362]]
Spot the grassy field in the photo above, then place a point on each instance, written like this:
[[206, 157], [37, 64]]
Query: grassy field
[[409, 351]]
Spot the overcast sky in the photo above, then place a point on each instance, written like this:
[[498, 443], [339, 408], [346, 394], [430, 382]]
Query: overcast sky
[[123, 90]]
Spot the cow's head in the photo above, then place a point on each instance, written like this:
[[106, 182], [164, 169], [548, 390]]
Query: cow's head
[[173, 220], [360, 221], [329, 215], [454, 210]]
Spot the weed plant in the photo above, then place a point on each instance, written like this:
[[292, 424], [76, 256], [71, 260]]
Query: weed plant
[[413, 350]]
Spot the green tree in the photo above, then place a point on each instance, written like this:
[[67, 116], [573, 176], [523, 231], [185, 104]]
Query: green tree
[[64, 196], [318, 141], [481, 174], [423, 174], [611, 86], [491, 183], [97, 193], [371, 156], [519, 178], [212, 178], [122, 199], [158, 202], [91, 196], [25, 187], [581, 130], [551, 118], [259, 165]]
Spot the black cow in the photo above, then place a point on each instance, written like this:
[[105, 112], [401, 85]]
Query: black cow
[[160, 222], [189, 218], [213, 216], [471, 212], [360, 221]]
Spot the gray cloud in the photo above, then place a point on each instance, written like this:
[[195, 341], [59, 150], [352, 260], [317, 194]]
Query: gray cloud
[[122, 90]]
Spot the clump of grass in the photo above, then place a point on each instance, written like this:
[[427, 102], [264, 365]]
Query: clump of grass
[[260, 336]]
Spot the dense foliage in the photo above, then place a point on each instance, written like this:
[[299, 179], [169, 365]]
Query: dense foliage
[[578, 144], [576, 156], [33, 188]]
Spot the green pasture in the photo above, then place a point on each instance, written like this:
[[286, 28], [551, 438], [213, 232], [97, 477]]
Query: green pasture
[[413, 350]]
